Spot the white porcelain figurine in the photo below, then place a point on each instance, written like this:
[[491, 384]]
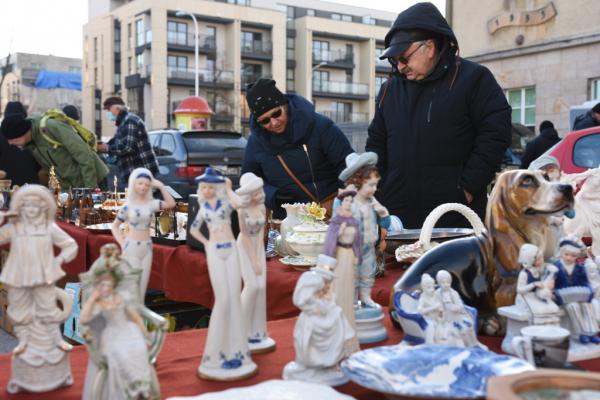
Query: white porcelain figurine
[[226, 355], [432, 310], [40, 361], [116, 337], [138, 212], [253, 263], [321, 331]]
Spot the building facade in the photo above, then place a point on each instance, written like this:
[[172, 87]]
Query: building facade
[[544, 54], [20, 72], [144, 50]]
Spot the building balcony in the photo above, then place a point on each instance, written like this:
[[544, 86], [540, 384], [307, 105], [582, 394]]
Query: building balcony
[[336, 89], [382, 65], [351, 117], [206, 78], [257, 50], [333, 58], [180, 41]]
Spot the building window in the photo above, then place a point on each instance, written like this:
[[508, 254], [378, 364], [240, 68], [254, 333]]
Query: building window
[[211, 37], [320, 80], [177, 33], [347, 18], [522, 101], [290, 46], [595, 89], [336, 17], [95, 76], [98, 113], [349, 76], [250, 73], [251, 41], [290, 80], [310, 12], [129, 66], [139, 30], [139, 63], [320, 50], [129, 37], [40, 65], [95, 49], [341, 112], [368, 20], [177, 63], [74, 69], [117, 33], [239, 2], [379, 80]]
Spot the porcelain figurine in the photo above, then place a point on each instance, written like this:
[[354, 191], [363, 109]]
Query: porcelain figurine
[[321, 331], [432, 310], [361, 172], [456, 317], [116, 336], [573, 291], [343, 242], [226, 355], [292, 218], [40, 360], [253, 262], [535, 285], [138, 211]]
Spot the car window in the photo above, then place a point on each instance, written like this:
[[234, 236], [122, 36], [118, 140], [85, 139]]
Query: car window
[[154, 140], [213, 142], [586, 151], [167, 145]]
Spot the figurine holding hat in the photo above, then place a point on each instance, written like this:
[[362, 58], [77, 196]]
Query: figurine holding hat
[[321, 331], [226, 354], [253, 262]]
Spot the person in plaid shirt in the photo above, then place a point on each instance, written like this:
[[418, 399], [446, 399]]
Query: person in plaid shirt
[[130, 145]]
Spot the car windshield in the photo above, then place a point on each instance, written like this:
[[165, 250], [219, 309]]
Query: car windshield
[[217, 142]]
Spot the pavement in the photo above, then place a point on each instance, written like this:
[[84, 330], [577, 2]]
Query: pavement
[[7, 342]]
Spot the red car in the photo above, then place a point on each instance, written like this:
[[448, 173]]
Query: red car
[[578, 150]]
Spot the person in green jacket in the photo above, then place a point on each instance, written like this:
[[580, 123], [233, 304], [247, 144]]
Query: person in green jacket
[[59, 146]]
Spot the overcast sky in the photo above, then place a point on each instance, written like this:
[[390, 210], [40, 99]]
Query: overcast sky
[[55, 26]]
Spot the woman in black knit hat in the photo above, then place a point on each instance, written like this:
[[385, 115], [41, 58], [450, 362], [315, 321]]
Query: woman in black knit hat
[[298, 152]]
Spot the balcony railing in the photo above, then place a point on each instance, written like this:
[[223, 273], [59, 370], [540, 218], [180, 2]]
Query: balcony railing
[[260, 47], [205, 41], [204, 75], [340, 116], [333, 56], [335, 87]]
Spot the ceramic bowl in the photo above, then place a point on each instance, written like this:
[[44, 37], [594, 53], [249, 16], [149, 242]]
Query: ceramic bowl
[[307, 240], [429, 370]]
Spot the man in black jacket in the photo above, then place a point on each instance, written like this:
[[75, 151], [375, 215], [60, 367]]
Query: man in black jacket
[[547, 138], [441, 125], [588, 120]]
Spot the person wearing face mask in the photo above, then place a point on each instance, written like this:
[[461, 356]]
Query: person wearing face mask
[[298, 152], [56, 145], [130, 145], [441, 124]]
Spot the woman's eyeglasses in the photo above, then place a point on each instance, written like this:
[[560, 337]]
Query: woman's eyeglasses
[[405, 59], [276, 114]]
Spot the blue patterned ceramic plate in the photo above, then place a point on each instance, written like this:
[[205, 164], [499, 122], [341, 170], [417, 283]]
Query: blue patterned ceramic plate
[[429, 370]]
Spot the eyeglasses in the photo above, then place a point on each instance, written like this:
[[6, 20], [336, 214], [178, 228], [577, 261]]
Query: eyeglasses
[[405, 59], [276, 114]]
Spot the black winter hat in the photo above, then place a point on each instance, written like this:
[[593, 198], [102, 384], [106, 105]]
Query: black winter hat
[[71, 112], [546, 125], [15, 123], [263, 96]]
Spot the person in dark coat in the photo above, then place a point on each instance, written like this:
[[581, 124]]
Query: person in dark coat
[[441, 125], [310, 144], [588, 120], [18, 163], [547, 138]]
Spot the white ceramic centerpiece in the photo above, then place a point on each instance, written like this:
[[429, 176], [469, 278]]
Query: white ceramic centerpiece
[[308, 238]]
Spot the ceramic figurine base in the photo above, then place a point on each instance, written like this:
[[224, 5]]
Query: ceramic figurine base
[[223, 374], [326, 376], [518, 318], [44, 378], [369, 325], [264, 346]]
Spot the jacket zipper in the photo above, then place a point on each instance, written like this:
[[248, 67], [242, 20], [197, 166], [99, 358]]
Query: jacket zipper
[[429, 108]]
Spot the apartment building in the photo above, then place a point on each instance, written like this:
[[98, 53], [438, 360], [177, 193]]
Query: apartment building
[[21, 71], [144, 50], [544, 54]]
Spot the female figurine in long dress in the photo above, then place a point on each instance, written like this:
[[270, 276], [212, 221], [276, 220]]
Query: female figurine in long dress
[[431, 308], [138, 211], [343, 242], [30, 272], [226, 355], [122, 341], [253, 263]]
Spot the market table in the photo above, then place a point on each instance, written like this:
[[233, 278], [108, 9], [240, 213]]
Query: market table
[[181, 273], [177, 363]]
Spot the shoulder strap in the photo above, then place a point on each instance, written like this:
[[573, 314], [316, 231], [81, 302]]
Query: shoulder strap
[[45, 132], [291, 175]]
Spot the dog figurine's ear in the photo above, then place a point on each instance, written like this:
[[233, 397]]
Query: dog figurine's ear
[[497, 205]]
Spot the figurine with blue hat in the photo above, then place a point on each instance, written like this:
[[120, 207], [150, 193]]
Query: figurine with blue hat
[[226, 354]]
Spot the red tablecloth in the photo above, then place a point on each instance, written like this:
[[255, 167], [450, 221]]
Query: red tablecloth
[[181, 272], [180, 357]]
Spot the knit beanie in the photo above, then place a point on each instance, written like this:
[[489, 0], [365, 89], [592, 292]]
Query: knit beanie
[[15, 123], [263, 96]]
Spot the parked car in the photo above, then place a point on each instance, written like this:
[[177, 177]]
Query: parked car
[[578, 150], [182, 156]]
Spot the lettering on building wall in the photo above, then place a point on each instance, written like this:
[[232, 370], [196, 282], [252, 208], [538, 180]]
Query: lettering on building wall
[[522, 18]]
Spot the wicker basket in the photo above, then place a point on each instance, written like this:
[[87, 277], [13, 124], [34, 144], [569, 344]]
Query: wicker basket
[[409, 253]]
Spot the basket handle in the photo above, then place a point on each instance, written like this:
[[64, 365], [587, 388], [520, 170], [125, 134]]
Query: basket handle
[[436, 214]]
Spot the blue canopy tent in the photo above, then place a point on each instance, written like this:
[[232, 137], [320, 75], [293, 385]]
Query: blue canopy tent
[[58, 80], [54, 89]]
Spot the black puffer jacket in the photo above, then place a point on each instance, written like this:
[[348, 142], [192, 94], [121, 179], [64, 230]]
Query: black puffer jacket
[[548, 137], [440, 135]]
